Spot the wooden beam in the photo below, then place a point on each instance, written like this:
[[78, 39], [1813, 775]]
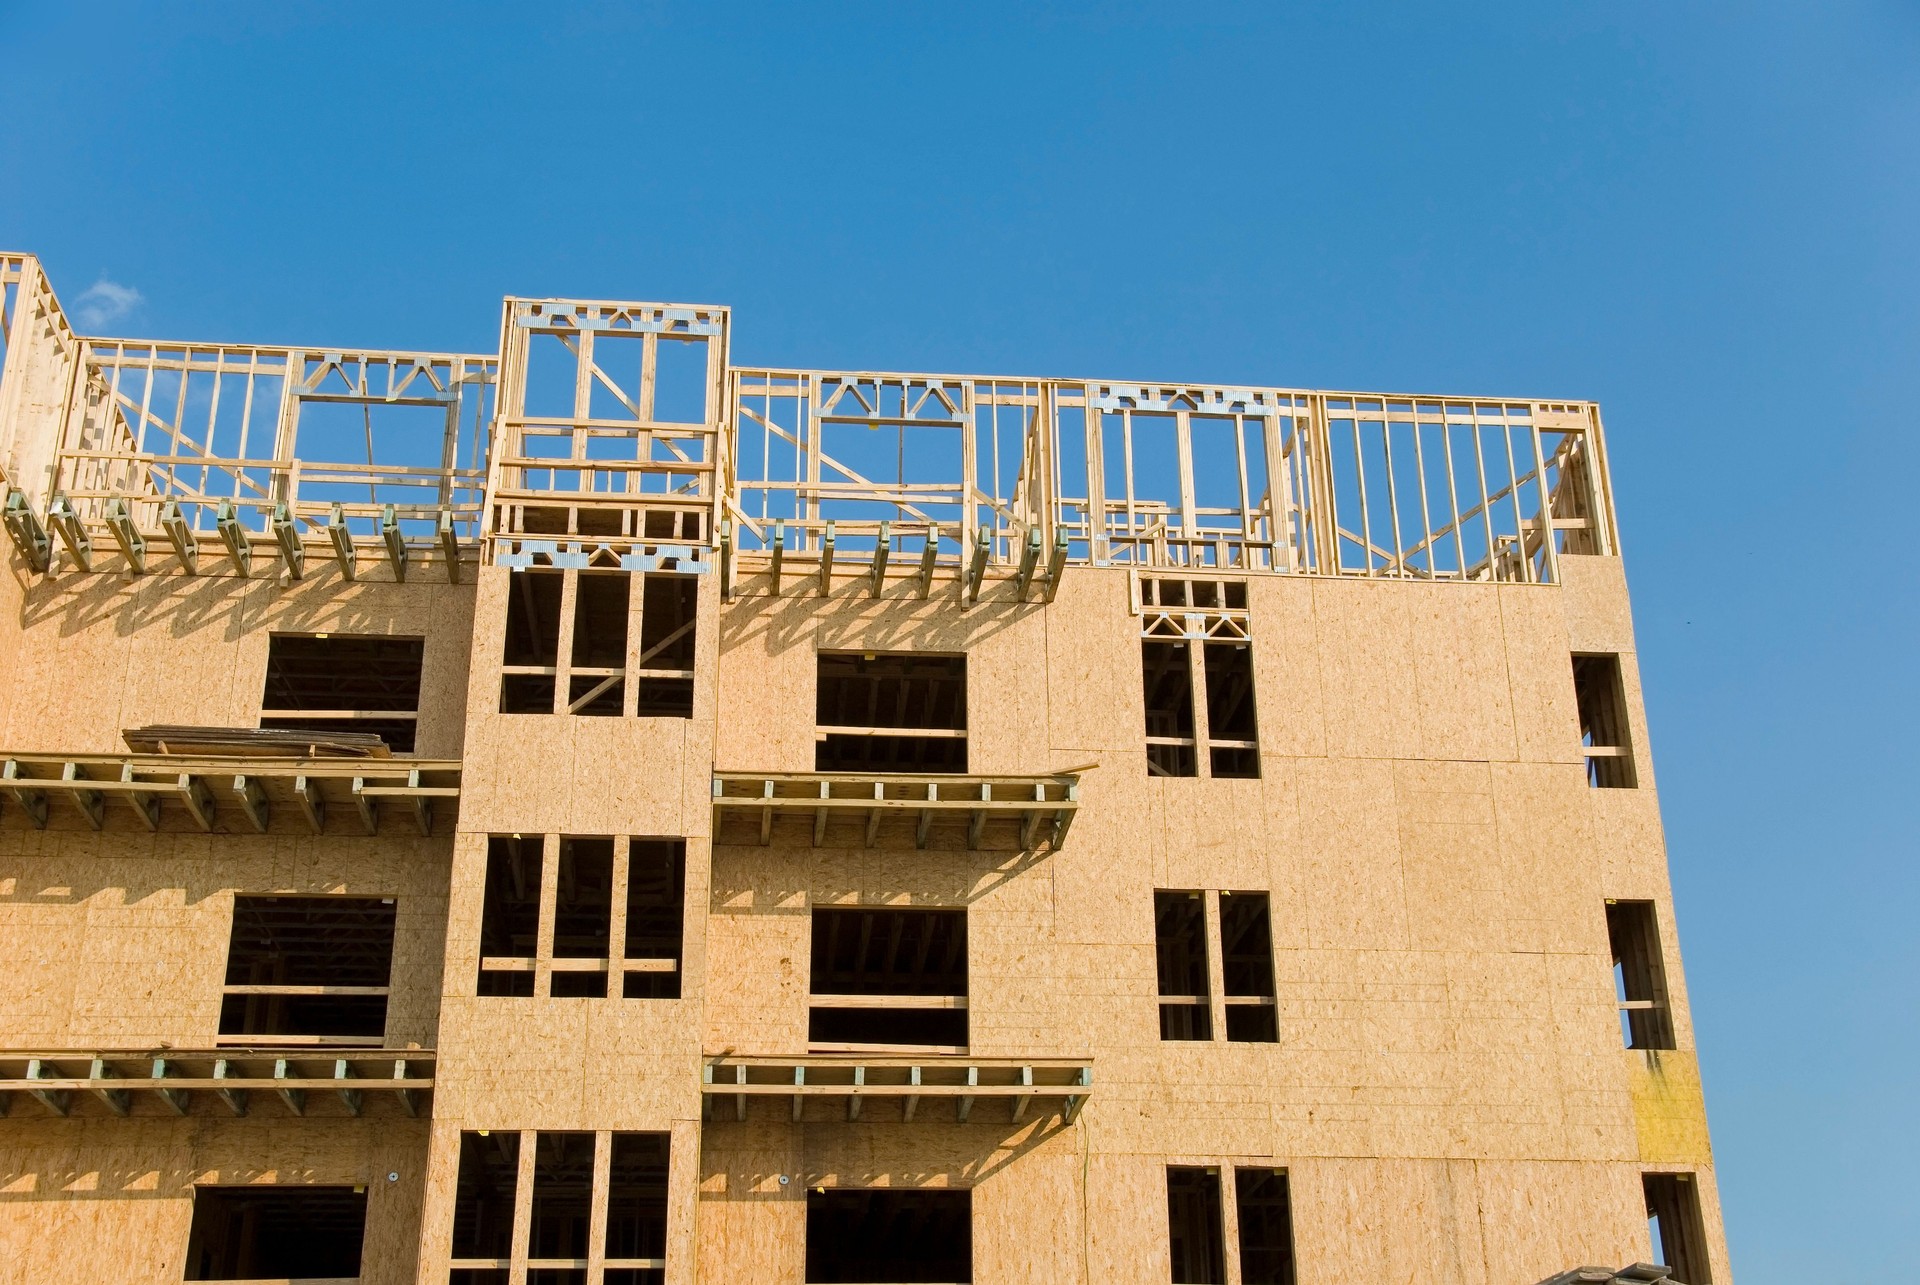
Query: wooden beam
[[726, 559], [234, 536], [963, 1105], [1056, 563], [343, 1072], [926, 817], [293, 555], [911, 1103], [882, 550], [1021, 1103], [180, 536], [1029, 558], [296, 1099], [343, 552], [799, 1099], [57, 1101], [369, 809], [976, 565], [118, 1101], [253, 801], [422, 805], [133, 545], [92, 806], [72, 532], [820, 816], [409, 1098], [312, 805], [199, 800], [179, 1100], [779, 556], [236, 1099], [826, 561], [449, 545], [147, 806], [928, 553], [977, 822], [396, 545]]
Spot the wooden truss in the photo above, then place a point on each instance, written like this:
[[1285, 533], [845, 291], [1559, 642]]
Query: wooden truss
[[168, 792], [841, 1087], [622, 437], [999, 812], [179, 1082]]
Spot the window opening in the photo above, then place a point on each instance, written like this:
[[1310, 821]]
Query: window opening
[[1265, 1213], [483, 1207], [364, 684], [1195, 636], [888, 978], [259, 1232], [562, 1209], [656, 917], [617, 907], [1246, 951], [670, 606], [510, 915], [891, 713], [583, 919], [903, 1236], [1674, 1223], [596, 684], [1180, 949], [590, 663], [532, 653], [308, 970], [637, 1209], [1195, 1239], [1167, 677], [1639, 979], [1602, 699]]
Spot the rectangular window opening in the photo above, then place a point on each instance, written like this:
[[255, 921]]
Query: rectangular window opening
[[891, 713], [1601, 696], [562, 1206], [888, 978], [1266, 1226], [637, 1209], [656, 917], [669, 608], [532, 643], [344, 683], [1639, 977], [895, 1236], [313, 969], [510, 914], [583, 917], [597, 682], [1246, 950], [1180, 951], [1167, 678], [1674, 1223], [1195, 1238], [263, 1232], [483, 1207], [1233, 748]]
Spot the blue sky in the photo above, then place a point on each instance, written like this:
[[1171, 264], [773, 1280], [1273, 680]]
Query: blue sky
[[1704, 217]]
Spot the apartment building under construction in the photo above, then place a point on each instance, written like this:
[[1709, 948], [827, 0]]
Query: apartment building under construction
[[592, 813]]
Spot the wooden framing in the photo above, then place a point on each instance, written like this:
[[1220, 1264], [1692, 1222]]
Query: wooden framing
[[167, 791], [844, 1085], [227, 1081], [1014, 812]]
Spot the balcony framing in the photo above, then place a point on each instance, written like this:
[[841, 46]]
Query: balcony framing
[[996, 812], [1032, 1088], [227, 1081]]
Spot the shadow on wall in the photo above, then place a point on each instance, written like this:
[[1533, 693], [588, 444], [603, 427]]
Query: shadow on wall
[[898, 620], [977, 1150]]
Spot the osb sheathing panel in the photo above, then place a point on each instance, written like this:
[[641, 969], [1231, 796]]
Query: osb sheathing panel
[[119, 940], [99, 653], [1593, 594], [112, 1200]]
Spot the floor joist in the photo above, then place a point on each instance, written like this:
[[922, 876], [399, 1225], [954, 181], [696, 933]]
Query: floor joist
[[997, 812]]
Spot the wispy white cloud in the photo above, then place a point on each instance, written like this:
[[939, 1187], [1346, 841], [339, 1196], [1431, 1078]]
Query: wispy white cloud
[[105, 302]]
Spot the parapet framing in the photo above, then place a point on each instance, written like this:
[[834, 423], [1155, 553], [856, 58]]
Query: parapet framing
[[595, 813]]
